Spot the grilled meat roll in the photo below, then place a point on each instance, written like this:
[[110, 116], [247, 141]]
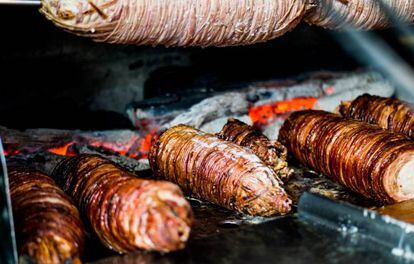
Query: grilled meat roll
[[272, 153], [125, 212], [47, 224], [361, 14], [176, 22], [218, 171], [363, 157], [388, 113]]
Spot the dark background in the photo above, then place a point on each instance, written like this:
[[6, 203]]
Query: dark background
[[50, 78]]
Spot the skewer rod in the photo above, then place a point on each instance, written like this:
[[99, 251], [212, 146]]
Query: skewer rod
[[21, 2]]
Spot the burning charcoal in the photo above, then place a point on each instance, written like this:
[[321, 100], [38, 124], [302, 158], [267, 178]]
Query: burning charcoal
[[218, 171], [128, 143], [130, 164], [266, 94], [223, 105], [263, 115], [47, 224], [361, 14], [324, 94], [366, 159], [272, 153], [125, 212], [176, 22], [330, 103], [262, 102], [388, 113]]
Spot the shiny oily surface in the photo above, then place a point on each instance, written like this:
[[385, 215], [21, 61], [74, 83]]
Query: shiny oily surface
[[127, 213], [389, 113], [272, 153], [218, 171], [285, 239], [365, 158], [48, 226]]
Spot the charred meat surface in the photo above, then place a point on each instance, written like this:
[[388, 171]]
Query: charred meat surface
[[272, 153], [218, 171], [388, 113], [126, 213], [47, 224], [363, 157]]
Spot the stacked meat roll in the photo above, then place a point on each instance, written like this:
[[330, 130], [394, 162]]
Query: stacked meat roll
[[272, 153], [388, 113], [47, 224], [218, 171], [363, 157], [125, 212]]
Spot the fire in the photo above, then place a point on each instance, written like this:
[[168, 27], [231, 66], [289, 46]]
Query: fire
[[136, 146], [263, 114], [63, 150]]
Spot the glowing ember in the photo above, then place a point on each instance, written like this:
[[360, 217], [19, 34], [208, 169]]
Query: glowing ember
[[146, 144], [64, 150], [134, 146], [121, 147], [264, 114], [11, 150]]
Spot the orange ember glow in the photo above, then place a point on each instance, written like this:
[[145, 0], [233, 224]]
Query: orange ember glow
[[263, 114], [146, 144], [63, 150]]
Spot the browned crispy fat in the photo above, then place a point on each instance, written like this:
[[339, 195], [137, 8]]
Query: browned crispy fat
[[363, 157], [218, 171], [125, 212], [272, 153], [388, 113], [47, 224]]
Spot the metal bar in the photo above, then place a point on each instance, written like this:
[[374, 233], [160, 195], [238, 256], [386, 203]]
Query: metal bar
[[21, 2], [348, 219], [372, 50], [8, 238], [403, 31]]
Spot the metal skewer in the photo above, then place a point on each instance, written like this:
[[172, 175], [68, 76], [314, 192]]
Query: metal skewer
[[21, 2]]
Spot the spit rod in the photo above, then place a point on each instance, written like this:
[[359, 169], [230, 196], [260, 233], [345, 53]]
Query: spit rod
[[21, 2]]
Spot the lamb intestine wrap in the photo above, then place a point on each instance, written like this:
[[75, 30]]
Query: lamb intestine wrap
[[176, 22], [361, 14]]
